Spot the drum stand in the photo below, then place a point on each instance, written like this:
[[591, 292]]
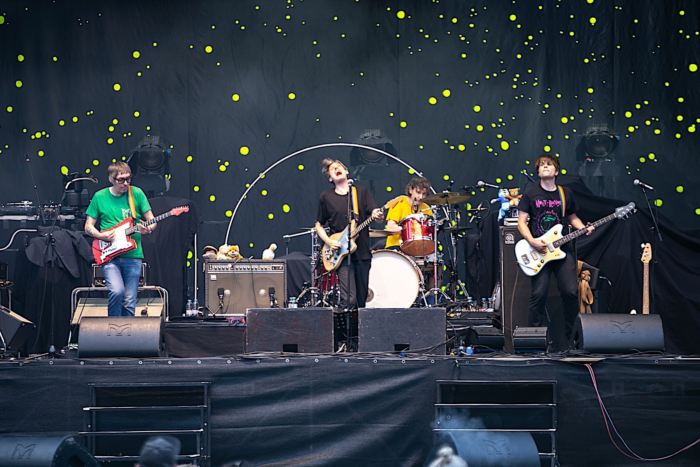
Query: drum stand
[[435, 291]]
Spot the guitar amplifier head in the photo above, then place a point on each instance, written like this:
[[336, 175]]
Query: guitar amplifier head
[[231, 287], [98, 277]]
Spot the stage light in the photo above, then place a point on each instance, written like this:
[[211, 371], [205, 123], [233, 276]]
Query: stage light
[[373, 138], [599, 142], [150, 166]]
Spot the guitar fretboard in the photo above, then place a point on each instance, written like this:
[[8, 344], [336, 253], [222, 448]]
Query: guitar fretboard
[[579, 232], [160, 217]]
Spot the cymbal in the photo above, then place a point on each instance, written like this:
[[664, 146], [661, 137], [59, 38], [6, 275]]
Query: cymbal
[[447, 197], [379, 233]]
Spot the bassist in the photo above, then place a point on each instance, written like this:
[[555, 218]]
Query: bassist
[[111, 206], [353, 273], [542, 206]]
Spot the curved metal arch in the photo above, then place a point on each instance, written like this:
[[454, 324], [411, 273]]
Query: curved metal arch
[[264, 173]]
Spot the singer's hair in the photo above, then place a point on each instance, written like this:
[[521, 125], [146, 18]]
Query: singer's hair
[[118, 168], [417, 182], [326, 164], [548, 157]]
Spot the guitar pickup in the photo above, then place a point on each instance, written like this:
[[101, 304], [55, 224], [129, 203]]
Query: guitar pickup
[[525, 259]]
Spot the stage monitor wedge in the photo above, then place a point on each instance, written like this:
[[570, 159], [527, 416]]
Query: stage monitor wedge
[[402, 329], [15, 329]]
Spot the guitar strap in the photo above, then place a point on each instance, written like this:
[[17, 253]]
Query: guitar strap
[[132, 205], [355, 208], [562, 197]]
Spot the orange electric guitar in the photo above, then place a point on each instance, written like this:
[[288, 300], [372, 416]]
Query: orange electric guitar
[[107, 251], [646, 258]]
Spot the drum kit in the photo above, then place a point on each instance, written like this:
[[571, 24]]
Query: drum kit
[[410, 276]]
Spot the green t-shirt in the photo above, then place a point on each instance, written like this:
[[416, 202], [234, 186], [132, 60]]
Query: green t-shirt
[[110, 210]]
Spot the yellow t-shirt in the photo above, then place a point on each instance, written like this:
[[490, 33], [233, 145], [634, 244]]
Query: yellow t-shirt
[[399, 213]]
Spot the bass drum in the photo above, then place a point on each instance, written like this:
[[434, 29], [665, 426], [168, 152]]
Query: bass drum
[[394, 280]]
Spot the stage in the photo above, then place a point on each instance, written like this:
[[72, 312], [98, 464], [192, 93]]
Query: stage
[[360, 409]]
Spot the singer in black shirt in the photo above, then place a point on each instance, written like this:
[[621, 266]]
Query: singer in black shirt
[[353, 273]]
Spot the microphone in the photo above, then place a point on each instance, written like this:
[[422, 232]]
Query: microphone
[[524, 172], [482, 184], [351, 182], [273, 300], [644, 186]]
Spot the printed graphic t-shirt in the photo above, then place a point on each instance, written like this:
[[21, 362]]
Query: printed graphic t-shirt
[[545, 208]]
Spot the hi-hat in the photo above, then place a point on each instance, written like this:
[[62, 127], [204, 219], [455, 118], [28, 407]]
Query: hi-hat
[[379, 233], [447, 197]]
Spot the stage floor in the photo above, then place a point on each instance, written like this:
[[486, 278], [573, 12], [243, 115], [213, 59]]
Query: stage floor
[[359, 409]]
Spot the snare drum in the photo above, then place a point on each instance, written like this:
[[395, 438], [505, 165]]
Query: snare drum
[[394, 280], [417, 235]]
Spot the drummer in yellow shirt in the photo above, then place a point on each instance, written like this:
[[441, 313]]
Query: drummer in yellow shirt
[[416, 190]]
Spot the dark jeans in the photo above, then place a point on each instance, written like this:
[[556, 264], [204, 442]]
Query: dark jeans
[[560, 327], [353, 279]]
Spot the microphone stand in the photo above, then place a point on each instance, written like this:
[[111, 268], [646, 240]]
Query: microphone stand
[[651, 213]]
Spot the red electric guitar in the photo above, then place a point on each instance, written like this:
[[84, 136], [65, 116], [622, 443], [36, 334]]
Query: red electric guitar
[[107, 251]]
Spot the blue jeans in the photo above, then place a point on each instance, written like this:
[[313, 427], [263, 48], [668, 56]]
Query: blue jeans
[[122, 277]]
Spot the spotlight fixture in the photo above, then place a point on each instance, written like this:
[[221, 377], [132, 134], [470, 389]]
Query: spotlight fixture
[[599, 142], [150, 166]]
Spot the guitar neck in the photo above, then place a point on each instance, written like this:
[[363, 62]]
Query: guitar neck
[[160, 217], [574, 235], [645, 293]]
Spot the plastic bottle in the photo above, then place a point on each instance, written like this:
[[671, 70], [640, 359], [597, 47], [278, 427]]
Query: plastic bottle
[[188, 308], [292, 302]]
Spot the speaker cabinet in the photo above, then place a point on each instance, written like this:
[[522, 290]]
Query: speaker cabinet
[[402, 329], [94, 307], [618, 333], [303, 330], [120, 337], [515, 290], [530, 339], [230, 288], [15, 329], [37, 450]]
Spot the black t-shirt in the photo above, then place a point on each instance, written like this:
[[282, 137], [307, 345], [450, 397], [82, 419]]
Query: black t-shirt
[[332, 213], [545, 208]]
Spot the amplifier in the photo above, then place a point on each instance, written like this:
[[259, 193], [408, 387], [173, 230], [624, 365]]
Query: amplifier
[[231, 287], [98, 276]]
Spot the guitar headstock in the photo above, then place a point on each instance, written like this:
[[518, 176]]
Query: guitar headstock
[[646, 253], [624, 211], [179, 210]]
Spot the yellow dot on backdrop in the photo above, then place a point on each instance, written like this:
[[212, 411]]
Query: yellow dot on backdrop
[[189, 254], [74, 119], [432, 100], [40, 153], [693, 67], [235, 97], [291, 96], [95, 162], [2, 19], [388, 189], [244, 150], [505, 145], [461, 147], [630, 129], [117, 87], [229, 213], [270, 216], [565, 120], [136, 54], [286, 208], [547, 148], [195, 188], [189, 158], [263, 192], [680, 189], [657, 131], [9, 109], [642, 159], [691, 128], [64, 170], [208, 49], [300, 167], [212, 198], [18, 83], [628, 114], [446, 92], [222, 168], [658, 202], [590, 90], [651, 156], [679, 118], [476, 108], [251, 245], [401, 14], [110, 140], [20, 58], [592, 20], [480, 128], [446, 177], [512, 17]]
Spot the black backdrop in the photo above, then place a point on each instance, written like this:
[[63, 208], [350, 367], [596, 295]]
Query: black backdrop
[[465, 91]]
